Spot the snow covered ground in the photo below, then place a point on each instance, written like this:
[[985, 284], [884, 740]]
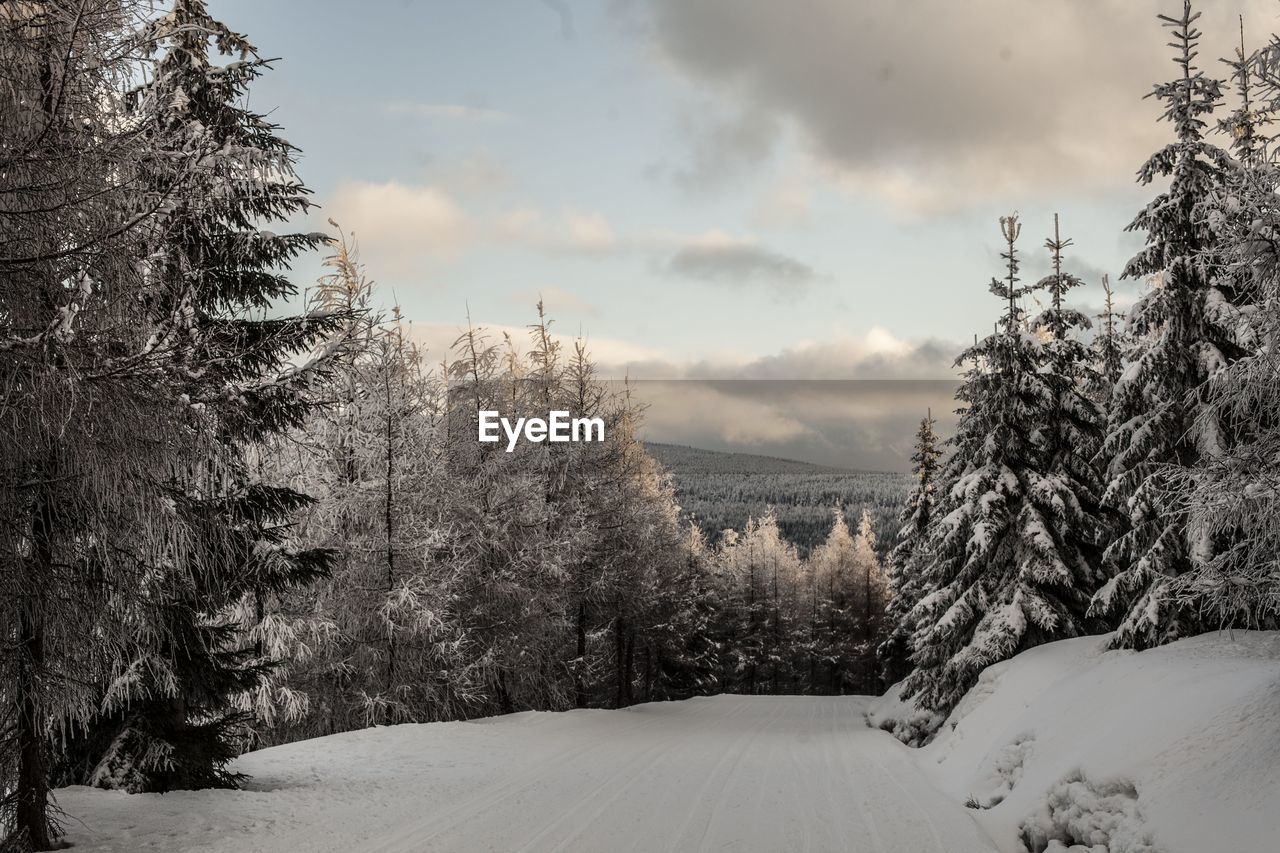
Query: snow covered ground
[[1174, 750], [727, 773]]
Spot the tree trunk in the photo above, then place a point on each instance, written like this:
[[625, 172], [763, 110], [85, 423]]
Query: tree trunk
[[33, 760], [505, 705], [389, 520], [630, 671], [579, 679], [32, 794], [623, 650], [648, 672]]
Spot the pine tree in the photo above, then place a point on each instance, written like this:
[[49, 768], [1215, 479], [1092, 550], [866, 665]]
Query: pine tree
[[176, 713], [1071, 434], [1231, 496], [872, 593], [837, 644], [907, 559], [1108, 351], [1185, 329], [91, 423], [1004, 568]]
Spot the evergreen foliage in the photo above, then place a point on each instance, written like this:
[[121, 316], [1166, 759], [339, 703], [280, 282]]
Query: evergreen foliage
[[1191, 324], [907, 560], [1008, 553]]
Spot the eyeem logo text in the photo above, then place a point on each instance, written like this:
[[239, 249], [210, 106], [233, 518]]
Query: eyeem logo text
[[558, 426]]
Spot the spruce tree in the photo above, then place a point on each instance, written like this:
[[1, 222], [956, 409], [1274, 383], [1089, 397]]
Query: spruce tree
[[177, 713], [838, 640], [1107, 350], [871, 588], [1005, 570], [906, 560], [1185, 329], [1071, 432], [1231, 496]]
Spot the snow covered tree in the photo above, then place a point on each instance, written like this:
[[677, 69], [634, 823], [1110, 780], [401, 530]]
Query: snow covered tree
[[1072, 434], [1230, 497], [1006, 570], [1185, 329], [175, 713], [685, 609], [1108, 349], [907, 559], [871, 596], [839, 630], [87, 511]]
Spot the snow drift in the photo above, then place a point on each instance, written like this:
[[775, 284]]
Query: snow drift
[[1069, 747]]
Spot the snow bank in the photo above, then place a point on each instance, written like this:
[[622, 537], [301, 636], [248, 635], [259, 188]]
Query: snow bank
[[1068, 747]]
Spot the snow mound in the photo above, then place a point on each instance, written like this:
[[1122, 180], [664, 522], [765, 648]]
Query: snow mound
[[1079, 815], [1070, 747]]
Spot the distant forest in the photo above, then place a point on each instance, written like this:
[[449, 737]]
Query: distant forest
[[720, 491]]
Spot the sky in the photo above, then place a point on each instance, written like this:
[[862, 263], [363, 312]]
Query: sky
[[725, 189]]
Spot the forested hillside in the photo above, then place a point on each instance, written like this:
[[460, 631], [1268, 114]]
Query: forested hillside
[[721, 491]]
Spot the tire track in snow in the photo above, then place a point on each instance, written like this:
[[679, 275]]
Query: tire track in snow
[[911, 798], [667, 748], [853, 772], [717, 810], [413, 837]]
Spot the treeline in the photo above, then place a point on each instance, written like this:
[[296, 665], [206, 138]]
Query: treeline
[[1124, 479], [723, 491]]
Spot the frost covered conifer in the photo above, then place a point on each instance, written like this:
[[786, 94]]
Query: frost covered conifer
[[907, 559], [871, 588], [177, 708], [1006, 569], [1190, 325], [839, 635], [1231, 498], [1107, 350]]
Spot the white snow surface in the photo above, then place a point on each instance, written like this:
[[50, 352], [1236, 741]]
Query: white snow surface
[[731, 773], [1176, 749], [1173, 750]]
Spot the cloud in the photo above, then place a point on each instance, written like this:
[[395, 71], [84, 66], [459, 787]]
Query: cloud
[[448, 112], [877, 354], [934, 105], [865, 425], [719, 258], [399, 224], [720, 147], [787, 203], [558, 301], [437, 341], [566, 231]]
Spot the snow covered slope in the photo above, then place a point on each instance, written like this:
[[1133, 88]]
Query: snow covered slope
[[730, 773], [1176, 749]]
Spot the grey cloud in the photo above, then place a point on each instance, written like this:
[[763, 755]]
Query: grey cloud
[[720, 147], [738, 263], [838, 360], [935, 102], [930, 359]]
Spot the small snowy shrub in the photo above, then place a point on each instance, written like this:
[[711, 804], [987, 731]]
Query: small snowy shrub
[[1081, 815]]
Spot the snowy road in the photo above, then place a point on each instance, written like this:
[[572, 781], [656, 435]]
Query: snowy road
[[722, 774], [731, 773]]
